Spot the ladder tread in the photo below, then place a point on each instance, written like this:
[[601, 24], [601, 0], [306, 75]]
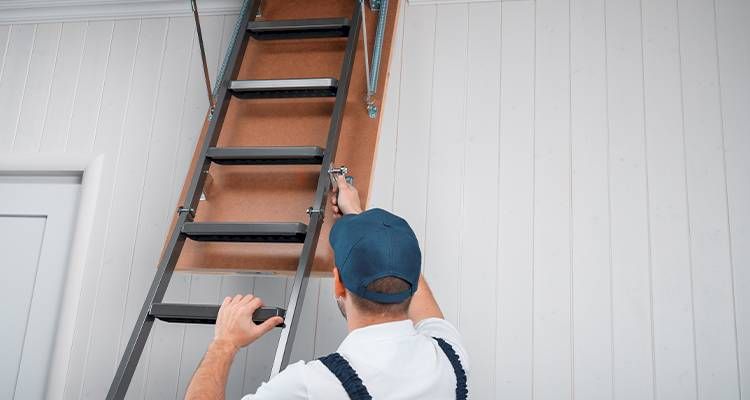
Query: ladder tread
[[299, 28], [259, 232], [204, 313], [284, 88], [272, 155]]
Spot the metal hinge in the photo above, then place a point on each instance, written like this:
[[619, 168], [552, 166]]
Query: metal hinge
[[311, 211]]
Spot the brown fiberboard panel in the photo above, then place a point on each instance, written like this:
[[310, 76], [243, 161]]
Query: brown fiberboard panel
[[283, 193]]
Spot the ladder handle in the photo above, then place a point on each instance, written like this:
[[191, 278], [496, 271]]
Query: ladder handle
[[206, 313]]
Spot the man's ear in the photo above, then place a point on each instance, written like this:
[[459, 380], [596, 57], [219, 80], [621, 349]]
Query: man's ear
[[338, 286]]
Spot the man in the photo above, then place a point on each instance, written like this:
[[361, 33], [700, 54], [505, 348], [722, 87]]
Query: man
[[398, 347]]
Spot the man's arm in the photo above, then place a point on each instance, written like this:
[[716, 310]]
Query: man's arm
[[210, 379], [234, 330], [423, 304]]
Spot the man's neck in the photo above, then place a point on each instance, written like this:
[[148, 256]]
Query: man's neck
[[361, 321]]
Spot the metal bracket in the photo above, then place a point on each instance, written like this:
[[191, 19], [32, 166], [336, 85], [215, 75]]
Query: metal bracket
[[372, 109], [311, 211], [206, 186], [190, 211], [333, 171], [342, 170], [374, 5]]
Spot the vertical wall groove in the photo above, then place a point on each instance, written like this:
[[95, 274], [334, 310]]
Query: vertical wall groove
[[25, 82], [726, 201]]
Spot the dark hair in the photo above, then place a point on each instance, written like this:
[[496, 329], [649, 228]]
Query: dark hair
[[387, 285]]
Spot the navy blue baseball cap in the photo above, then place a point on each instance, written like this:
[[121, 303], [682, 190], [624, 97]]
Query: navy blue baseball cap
[[372, 245]]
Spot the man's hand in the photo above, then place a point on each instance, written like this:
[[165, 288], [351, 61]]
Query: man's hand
[[234, 324], [234, 329], [345, 198]]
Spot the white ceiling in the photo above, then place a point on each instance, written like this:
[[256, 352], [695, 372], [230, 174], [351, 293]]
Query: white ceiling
[[33, 11]]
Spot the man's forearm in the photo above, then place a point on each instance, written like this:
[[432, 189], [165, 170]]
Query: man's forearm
[[210, 378]]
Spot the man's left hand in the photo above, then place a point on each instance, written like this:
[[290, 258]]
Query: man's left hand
[[234, 324]]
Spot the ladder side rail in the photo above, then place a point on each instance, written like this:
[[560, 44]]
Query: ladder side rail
[[283, 351], [144, 323]]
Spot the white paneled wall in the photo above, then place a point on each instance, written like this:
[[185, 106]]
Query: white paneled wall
[[133, 90], [578, 175]]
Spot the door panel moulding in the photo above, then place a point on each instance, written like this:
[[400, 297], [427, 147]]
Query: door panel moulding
[[90, 168]]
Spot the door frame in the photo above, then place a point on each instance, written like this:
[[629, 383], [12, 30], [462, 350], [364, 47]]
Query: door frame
[[90, 166]]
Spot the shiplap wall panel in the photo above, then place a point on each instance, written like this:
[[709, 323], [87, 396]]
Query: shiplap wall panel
[[15, 70], [129, 170], [28, 131], [445, 156], [714, 301], [68, 63], [82, 124], [552, 193], [591, 273], [631, 279], [673, 335], [515, 288], [4, 41], [608, 140], [106, 140], [414, 118], [479, 221], [734, 61]]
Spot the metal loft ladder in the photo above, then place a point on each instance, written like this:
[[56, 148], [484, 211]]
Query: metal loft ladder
[[230, 85]]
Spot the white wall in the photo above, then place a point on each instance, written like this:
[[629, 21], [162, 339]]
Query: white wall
[[577, 173]]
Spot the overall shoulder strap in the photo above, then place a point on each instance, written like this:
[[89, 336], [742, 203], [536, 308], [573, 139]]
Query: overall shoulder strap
[[347, 376], [461, 391]]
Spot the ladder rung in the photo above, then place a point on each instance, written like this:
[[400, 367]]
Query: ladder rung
[[281, 232], [266, 155], [205, 313], [284, 88], [299, 28]]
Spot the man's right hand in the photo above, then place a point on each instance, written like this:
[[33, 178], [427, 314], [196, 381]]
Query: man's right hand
[[234, 324], [345, 198]]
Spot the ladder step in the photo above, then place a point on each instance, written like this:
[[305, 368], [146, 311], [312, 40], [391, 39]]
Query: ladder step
[[278, 232], [299, 28], [266, 155], [284, 88], [205, 313]]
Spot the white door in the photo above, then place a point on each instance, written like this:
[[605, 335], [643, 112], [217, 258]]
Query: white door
[[37, 214]]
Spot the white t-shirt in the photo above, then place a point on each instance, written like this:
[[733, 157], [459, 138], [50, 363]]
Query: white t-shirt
[[395, 360]]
